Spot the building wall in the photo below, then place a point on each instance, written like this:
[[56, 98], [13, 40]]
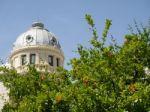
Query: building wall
[[3, 95], [41, 60]]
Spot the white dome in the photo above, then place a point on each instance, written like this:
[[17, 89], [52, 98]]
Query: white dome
[[36, 35], [36, 46]]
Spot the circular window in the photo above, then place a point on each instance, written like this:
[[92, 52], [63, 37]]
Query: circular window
[[29, 38], [54, 40]]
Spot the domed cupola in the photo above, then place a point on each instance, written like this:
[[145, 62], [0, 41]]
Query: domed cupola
[[37, 46], [36, 35], [38, 25]]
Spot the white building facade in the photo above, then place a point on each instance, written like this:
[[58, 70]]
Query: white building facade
[[36, 46]]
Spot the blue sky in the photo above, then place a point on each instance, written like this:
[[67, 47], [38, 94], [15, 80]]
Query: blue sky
[[65, 18]]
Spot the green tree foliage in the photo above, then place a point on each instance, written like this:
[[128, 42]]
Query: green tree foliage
[[105, 78]]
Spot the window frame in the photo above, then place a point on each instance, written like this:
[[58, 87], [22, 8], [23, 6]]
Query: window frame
[[51, 60], [31, 58], [57, 62], [23, 59]]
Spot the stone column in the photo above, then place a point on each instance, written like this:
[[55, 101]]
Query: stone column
[[19, 61], [37, 58], [28, 58], [60, 62], [54, 61]]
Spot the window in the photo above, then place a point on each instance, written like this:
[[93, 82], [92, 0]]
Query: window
[[50, 60], [57, 61], [23, 59], [29, 38], [53, 41], [32, 58]]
